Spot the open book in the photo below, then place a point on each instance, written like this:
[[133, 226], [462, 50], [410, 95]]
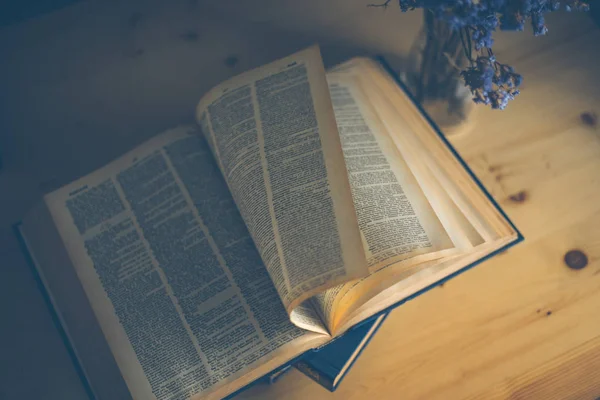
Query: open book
[[301, 204]]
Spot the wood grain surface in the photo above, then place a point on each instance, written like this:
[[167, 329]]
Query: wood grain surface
[[83, 85]]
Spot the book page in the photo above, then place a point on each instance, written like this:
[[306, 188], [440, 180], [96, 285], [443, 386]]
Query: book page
[[463, 191], [273, 132], [411, 282], [395, 217], [179, 290], [399, 226], [364, 95], [462, 230]]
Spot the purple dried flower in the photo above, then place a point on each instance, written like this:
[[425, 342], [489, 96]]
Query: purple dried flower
[[489, 81], [500, 98], [577, 5], [537, 22], [406, 5], [512, 22], [482, 39], [486, 68]]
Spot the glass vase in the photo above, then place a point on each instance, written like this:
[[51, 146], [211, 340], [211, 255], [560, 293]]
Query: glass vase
[[432, 74]]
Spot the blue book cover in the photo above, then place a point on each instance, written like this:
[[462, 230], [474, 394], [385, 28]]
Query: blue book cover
[[329, 365]]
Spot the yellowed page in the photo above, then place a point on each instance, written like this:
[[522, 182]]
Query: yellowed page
[[396, 220], [274, 134], [463, 190], [399, 227], [467, 228], [464, 224], [465, 232], [173, 277], [411, 282]]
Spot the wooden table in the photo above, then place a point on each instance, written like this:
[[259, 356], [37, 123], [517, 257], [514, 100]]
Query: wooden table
[[83, 85]]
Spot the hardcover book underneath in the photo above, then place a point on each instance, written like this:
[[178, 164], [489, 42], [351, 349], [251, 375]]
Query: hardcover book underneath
[[301, 207], [329, 365]]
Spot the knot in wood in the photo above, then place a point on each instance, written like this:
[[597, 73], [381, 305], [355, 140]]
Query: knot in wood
[[576, 259]]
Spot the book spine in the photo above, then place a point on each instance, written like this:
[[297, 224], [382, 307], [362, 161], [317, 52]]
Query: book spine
[[317, 376]]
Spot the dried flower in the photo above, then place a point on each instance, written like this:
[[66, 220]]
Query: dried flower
[[577, 5], [489, 81]]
